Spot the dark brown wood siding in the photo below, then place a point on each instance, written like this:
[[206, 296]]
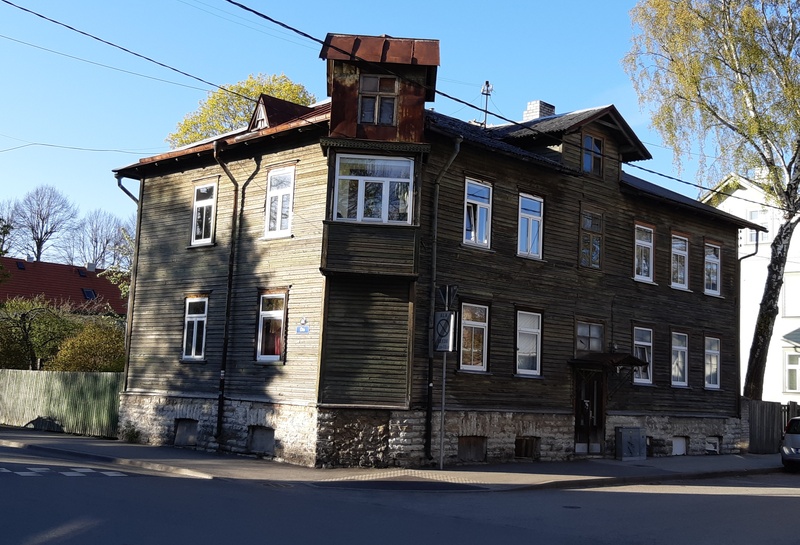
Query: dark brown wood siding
[[563, 292], [369, 248], [366, 342]]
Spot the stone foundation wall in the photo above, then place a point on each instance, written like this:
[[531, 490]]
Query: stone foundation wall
[[732, 433], [342, 437], [153, 418], [553, 434], [370, 438]]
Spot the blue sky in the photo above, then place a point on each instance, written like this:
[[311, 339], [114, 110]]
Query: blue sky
[[68, 99]]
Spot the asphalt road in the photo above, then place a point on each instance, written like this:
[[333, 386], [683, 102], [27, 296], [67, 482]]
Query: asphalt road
[[46, 500]]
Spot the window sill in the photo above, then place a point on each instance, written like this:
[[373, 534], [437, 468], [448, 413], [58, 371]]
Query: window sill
[[202, 245], [712, 389], [478, 247], [277, 363], [715, 295], [531, 258], [681, 386], [526, 376], [644, 281], [189, 361], [645, 384], [277, 237], [681, 288], [471, 372]]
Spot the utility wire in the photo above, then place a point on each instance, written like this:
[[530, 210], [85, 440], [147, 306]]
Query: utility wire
[[126, 50], [533, 130], [101, 65]]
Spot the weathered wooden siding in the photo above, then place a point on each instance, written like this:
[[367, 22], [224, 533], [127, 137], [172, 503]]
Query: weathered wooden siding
[[169, 269], [562, 291], [369, 249], [290, 264], [365, 360]]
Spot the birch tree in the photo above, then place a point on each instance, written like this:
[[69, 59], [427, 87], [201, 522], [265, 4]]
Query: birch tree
[[728, 72]]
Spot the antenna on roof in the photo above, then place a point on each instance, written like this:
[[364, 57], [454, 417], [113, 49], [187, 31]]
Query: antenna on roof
[[486, 90]]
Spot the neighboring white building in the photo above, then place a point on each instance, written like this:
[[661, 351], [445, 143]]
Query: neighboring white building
[[740, 197]]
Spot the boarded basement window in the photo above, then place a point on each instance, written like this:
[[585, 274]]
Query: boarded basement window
[[472, 448], [185, 432], [526, 446], [679, 445], [261, 440]]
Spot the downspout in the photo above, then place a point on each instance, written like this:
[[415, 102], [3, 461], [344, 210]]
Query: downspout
[[739, 324], [237, 210], [434, 250], [134, 268]]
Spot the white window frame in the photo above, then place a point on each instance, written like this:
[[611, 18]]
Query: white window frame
[[791, 366], [712, 262], [535, 334], [277, 225], [712, 347], [643, 349], [195, 324], [206, 207], [679, 260], [529, 232], [477, 215], [474, 326], [271, 316], [680, 358], [643, 252], [385, 182], [379, 97]]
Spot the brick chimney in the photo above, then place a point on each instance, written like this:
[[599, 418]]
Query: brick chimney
[[537, 109]]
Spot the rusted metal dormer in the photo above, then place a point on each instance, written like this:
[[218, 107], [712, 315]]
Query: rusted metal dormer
[[379, 85]]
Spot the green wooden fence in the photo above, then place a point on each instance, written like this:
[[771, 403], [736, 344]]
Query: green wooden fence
[[79, 403]]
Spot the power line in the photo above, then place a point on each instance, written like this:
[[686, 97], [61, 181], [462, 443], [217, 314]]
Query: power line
[[100, 64], [463, 102], [126, 50]]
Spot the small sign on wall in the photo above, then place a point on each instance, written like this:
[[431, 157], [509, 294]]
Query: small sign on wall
[[443, 331]]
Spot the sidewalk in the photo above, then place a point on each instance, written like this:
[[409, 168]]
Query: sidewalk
[[497, 477]]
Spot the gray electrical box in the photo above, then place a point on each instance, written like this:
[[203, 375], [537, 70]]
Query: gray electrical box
[[631, 443]]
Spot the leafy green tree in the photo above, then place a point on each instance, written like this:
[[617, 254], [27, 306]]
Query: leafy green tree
[[31, 331], [729, 71], [225, 110], [98, 347]]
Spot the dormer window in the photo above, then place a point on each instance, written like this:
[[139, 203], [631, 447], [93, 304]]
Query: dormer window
[[260, 121], [377, 99]]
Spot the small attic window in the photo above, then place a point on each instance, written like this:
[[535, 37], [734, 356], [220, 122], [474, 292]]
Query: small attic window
[[21, 265], [377, 98], [89, 294], [261, 118]]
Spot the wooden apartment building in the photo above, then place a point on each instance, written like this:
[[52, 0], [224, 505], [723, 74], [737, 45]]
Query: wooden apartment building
[[292, 282]]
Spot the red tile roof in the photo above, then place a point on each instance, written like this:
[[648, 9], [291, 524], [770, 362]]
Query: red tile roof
[[57, 282]]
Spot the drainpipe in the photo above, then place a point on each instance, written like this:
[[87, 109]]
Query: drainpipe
[[134, 268], [237, 210], [434, 250], [738, 325]]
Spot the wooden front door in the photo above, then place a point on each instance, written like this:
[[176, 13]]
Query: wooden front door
[[589, 411]]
